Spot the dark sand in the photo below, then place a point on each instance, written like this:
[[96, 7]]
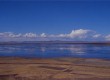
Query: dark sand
[[54, 69]]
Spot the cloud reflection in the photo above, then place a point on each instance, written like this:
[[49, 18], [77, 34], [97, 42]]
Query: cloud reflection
[[62, 48], [76, 49], [43, 49]]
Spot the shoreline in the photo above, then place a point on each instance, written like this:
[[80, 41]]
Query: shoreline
[[55, 42], [12, 68], [14, 57]]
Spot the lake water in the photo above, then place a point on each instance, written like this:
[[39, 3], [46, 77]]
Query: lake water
[[56, 50]]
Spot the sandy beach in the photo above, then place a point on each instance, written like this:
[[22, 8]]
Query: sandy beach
[[54, 69]]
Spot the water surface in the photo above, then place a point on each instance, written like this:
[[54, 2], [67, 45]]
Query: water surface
[[55, 50]]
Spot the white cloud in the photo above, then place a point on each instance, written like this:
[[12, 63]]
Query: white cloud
[[80, 34], [107, 37], [62, 35], [96, 35], [43, 35], [10, 35], [31, 35], [6, 34]]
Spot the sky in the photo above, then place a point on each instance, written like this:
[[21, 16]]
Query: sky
[[51, 20]]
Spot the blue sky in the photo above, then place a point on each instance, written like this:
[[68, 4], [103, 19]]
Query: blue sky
[[54, 17]]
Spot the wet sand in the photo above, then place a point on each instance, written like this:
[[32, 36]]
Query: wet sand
[[54, 69]]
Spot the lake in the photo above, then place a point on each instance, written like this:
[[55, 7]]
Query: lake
[[42, 50]]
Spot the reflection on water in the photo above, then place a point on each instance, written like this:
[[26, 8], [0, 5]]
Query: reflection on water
[[74, 49], [56, 50]]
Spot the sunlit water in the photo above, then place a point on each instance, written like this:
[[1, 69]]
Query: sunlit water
[[56, 50]]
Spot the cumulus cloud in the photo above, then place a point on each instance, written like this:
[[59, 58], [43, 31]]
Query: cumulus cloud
[[107, 37], [31, 35], [43, 35], [61, 35], [96, 35], [79, 34]]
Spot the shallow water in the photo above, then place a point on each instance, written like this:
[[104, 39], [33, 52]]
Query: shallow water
[[56, 50]]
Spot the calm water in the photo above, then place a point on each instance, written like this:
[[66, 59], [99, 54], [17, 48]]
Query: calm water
[[56, 50]]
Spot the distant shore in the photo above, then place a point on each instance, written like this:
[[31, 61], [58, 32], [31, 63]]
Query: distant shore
[[55, 42], [12, 68]]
